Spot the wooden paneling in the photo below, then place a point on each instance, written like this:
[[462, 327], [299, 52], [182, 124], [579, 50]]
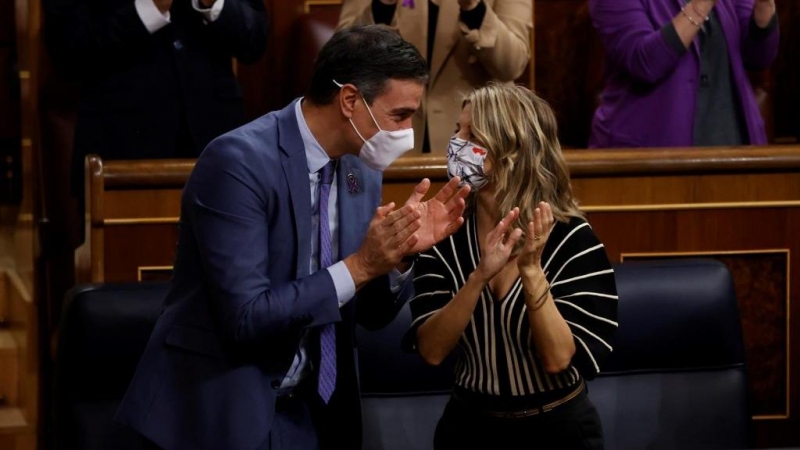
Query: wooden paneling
[[128, 248], [785, 81], [569, 66], [762, 283], [23, 307], [25, 441], [10, 130], [146, 205], [9, 370]]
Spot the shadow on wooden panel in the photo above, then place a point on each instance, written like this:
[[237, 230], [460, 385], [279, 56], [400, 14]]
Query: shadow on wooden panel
[[154, 273], [130, 247], [569, 66], [309, 33], [785, 74]]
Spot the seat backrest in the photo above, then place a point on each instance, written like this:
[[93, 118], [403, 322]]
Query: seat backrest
[[401, 396], [103, 333], [676, 378]]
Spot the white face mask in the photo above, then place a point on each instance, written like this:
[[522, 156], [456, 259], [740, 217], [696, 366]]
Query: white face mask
[[466, 160], [382, 149]]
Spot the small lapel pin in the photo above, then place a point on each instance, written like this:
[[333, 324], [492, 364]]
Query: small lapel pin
[[352, 184]]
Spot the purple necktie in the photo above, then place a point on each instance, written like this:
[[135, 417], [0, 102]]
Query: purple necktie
[[327, 334]]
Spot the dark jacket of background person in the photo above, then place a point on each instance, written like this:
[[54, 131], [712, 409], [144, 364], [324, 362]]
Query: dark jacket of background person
[[160, 95]]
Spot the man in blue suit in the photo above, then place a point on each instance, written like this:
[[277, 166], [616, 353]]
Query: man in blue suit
[[283, 249]]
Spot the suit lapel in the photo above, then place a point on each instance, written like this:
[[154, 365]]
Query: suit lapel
[[295, 168], [447, 34], [413, 25], [352, 214]]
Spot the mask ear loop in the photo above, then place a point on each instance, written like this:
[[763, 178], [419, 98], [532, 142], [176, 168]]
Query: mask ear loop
[[351, 119], [369, 110]]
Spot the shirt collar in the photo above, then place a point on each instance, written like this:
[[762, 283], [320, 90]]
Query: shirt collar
[[315, 155]]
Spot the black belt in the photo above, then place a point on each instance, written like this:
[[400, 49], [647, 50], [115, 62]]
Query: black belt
[[527, 412]]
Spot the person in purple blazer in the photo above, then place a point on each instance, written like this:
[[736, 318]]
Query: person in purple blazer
[[676, 71]]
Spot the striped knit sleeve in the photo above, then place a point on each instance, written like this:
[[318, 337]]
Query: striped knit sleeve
[[583, 287], [432, 292]]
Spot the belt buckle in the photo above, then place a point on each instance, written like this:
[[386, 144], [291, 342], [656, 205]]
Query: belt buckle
[[524, 413]]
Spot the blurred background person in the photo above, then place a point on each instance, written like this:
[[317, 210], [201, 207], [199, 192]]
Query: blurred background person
[[466, 43], [156, 77], [676, 74], [533, 315]]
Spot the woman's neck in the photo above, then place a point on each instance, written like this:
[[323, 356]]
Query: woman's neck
[[487, 209]]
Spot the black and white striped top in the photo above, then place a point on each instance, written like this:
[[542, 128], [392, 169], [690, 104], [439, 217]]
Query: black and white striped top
[[497, 355]]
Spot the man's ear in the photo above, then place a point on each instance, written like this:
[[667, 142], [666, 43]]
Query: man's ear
[[348, 96]]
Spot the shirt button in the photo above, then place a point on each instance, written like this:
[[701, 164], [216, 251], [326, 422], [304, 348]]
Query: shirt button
[[177, 44], [704, 79]]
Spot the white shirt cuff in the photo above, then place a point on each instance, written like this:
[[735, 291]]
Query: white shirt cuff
[[396, 279], [151, 17], [211, 14], [342, 281]]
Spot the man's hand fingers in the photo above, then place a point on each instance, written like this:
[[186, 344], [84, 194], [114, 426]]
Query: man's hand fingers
[[458, 198], [447, 190], [419, 192], [409, 244], [384, 210], [407, 213], [403, 234]]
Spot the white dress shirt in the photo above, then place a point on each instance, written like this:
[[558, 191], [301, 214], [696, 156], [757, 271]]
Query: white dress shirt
[[342, 280]]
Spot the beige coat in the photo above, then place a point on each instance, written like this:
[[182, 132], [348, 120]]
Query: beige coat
[[462, 59]]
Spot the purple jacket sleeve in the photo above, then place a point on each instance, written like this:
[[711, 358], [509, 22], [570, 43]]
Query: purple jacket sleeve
[[631, 41], [758, 49]]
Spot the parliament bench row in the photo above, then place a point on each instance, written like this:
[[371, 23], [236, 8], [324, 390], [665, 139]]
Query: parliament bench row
[[676, 379]]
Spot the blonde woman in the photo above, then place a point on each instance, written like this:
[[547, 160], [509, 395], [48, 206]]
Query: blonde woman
[[524, 289]]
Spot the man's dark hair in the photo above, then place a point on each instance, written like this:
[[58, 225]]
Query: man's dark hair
[[367, 57]]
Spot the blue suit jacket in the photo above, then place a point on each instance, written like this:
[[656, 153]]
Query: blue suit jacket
[[242, 295]]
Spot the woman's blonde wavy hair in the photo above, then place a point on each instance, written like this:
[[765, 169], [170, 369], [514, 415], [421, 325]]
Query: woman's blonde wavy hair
[[520, 132]]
